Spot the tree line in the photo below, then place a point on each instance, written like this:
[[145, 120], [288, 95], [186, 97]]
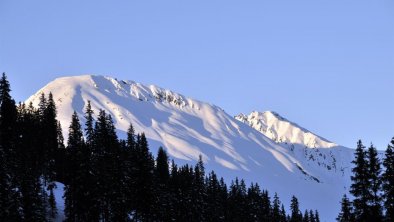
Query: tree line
[[110, 179], [372, 187]]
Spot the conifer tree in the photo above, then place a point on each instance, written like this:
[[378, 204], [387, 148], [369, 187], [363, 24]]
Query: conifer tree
[[144, 179], [306, 217], [30, 165], [162, 168], [296, 215], [48, 137], [199, 192], [174, 190], [216, 198], [131, 143], [75, 136], [42, 105], [276, 208], [284, 217], [317, 216], [60, 156], [9, 194], [266, 207], [74, 196], [388, 182], [360, 186], [87, 173], [237, 205], [130, 169], [346, 214], [312, 216], [106, 162], [162, 176], [181, 186], [89, 124], [60, 138], [8, 117], [8, 204], [375, 183], [255, 204]]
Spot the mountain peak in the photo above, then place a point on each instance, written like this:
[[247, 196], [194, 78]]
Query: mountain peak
[[281, 130], [188, 128]]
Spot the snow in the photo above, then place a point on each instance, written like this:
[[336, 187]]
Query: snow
[[262, 147], [279, 129], [59, 192]]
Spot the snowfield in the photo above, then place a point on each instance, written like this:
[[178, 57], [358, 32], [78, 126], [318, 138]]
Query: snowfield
[[262, 147]]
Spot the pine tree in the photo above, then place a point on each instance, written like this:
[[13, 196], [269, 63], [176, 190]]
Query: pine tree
[[216, 198], [89, 124], [72, 192], [9, 194], [100, 164], [283, 216], [360, 185], [30, 164], [199, 191], [60, 138], [306, 217], [254, 203], [131, 143], [49, 137], [181, 186], [237, 203], [130, 169], [375, 183], [60, 156], [42, 105], [8, 204], [296, 215], [109, 190], [75, 136], [87, 174], [276, 208], [346, 214], [162, 168], [317, 217], [266, 207], [144, 188], [276, 214], [162, 176], [388, 182], [312, 216], [8, 117], [173, 186]]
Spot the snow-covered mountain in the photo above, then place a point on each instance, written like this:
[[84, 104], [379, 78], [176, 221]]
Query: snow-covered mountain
[[262, 147], [281, 130]]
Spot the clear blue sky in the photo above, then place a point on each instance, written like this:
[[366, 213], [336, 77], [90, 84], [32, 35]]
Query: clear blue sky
[[327, 65]]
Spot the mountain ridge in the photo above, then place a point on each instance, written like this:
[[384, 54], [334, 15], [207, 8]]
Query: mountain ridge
[[187, 128], [281, 130]]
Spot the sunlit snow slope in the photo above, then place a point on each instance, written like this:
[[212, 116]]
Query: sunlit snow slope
[[260, 148], [282, 130]]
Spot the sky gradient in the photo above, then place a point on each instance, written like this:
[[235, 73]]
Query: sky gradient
[[326, 65]]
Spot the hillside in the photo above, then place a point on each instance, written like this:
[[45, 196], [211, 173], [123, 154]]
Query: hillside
[[262, 147]]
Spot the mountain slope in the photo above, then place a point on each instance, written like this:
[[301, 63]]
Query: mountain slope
[[281, 130], [187, 128], [306, 146]]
